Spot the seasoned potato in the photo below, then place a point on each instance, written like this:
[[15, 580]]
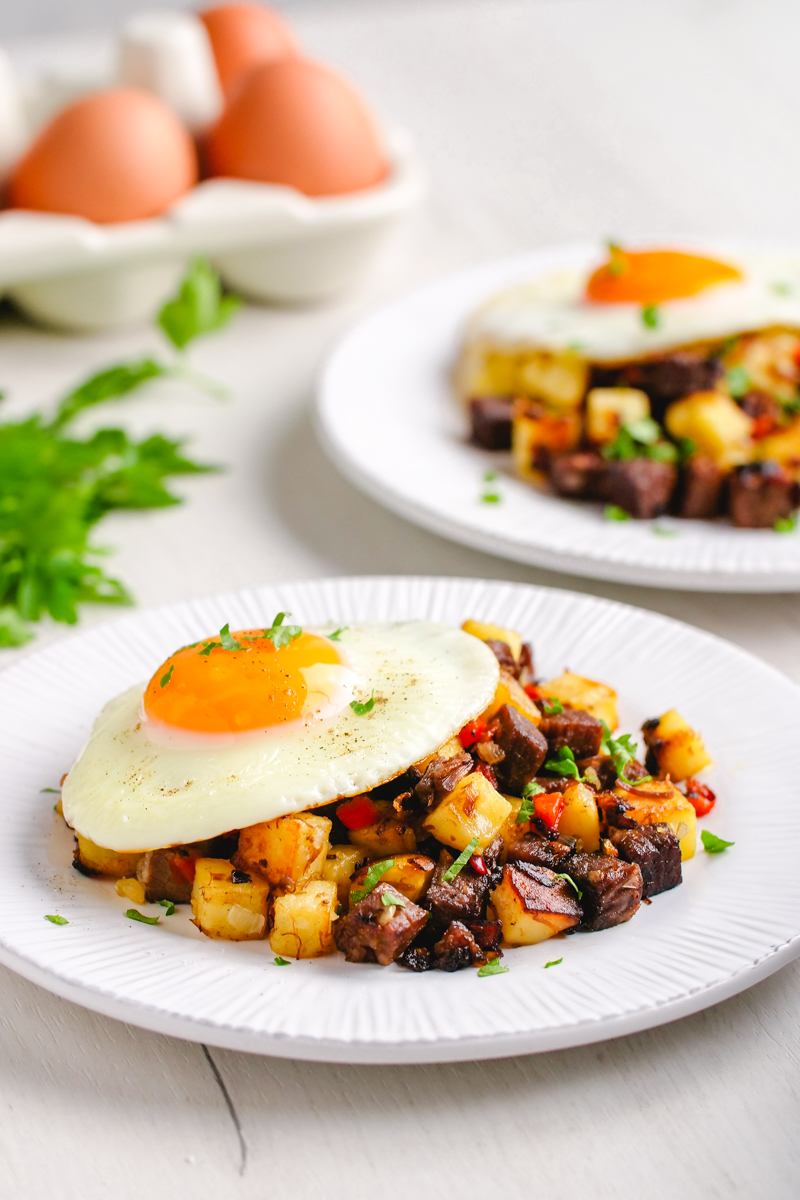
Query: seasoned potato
[[99, 861], [131, 889], [388, 836], [783, 447], [474, 809], [451, 749], [288, 852], [509, 692], [235, 912], [530, 912], [495, 633], [580, 818], [510, 831], [410, 875], [557, 378], [659, 801], [533, 433], [716, 425], [676, 747], [303, 921], [340, 863], [578, 692], [608, 409]]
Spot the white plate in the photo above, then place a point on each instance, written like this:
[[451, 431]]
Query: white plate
[[388, 419], [735, 919]]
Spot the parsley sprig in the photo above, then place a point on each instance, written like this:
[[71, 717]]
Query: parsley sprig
[[281, 635], [622, 749], [642, 438], [456, 867], [360, 709], [493, 967], [713, 844], [564, 764], [527, 810], [372, 879]]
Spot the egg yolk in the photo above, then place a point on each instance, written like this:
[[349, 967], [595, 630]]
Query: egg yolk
[[652, 276], [208, 689]]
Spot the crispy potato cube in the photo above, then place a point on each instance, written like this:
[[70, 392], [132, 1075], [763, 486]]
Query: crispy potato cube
[[410, 875], [234, 912], [383, 839], [99, 861], [303, 921], [716, 425], [340, 863], [608, 409], [509, 692], [659, 801], [495, 633], [288, 852], [131, 889], [783, 447], [580, 818], [451, 749], [531, 434], [510, 831], [677, 748], [474, 809], [559, 379], [484, 371], [530, 912], [577, 692]]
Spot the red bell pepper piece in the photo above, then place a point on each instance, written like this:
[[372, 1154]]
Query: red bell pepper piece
[[548, 807], [484, 769], [700, 796], [358, 813], [472, 732], [182, 866], [533, 692], [477, 864]]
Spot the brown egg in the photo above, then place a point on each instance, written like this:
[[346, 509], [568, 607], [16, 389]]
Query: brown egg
[[244, 35], [114, 156], [298, 123]]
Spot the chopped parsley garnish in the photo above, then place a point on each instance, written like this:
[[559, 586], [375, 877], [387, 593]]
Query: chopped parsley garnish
[[641, 438], [228, 642], [281, 962], [555, 962], [199, 308], [713, 844], [168, 906], [361, 710], [527, 809], [491, 498], [490, 495], [622, 749], [552, 708], [572, 884], [651, 317], [618, 261], [137, 916], [613, 512], [563, 764], [737, 380], [165, 678], [493, 967], [337, 633], [208, 647], [781, 288], [54, 790], [281, 635], [462, 860], [372, 878], [665, 531], [392, 900], [686, 448], [786, 524], [56, 919]]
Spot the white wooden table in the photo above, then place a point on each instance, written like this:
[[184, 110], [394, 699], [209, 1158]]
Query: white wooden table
[[540, 122]]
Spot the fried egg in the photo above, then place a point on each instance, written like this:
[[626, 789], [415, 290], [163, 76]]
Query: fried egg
[[638, 303], [241, 729]]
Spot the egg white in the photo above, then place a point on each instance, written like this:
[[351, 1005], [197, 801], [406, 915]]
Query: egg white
[[551, 313], [132, 789]]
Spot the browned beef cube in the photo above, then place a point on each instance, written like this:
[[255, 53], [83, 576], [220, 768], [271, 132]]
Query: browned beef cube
[[461, 899], [657, 853], [441, 776], [759, 494], [612, 889], [488, 934], [761, 405], [457, 949], [502, 652], [417, 958], [575, 728], [613, 811], [377, 932], [524, 747], [702, 488], [541, 853], [578, 475], [639, 485], [603, 766], [671, 376], [167, 875], [525, 666], [490, 421]]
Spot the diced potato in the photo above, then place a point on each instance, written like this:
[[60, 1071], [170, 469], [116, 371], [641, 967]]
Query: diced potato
[[340, 863], [235, 912], [783, 447], [559, 379], [509, 692], [580, 818], [678, 749], [596, 698], [303, 921], [770, 361], [716, 425], [288, 852], [410, 875], [387, 837], [105, 862], [131, 889], [510, 831], [474, 809], [662, 802], [495, 633], [451, 749], [522, 908], [484, 371], [530, 434], [608, 409]]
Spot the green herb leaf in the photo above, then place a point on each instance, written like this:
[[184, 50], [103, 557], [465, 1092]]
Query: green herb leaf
[[612, 512], [572, 884], [665, 531], [786, 524], [462, 860], [372, 878], [532, 789], [165, 678], [686, 448], [227, 642], [392, 900], [490, 476], [13, 630], [651, 317], [737, 381], [491, 498], [361, 710], [493, 967], [337, 633], [527, 809], [54, 917], [111, 384], [55, 791], [555, 962], [662, 451], [168, 906], [199, 308], [563, 764], [644, 430], [281, 635], [208, 647], [622, 749], [713, 844], [281, 962], [552, 708], [137, 916], [781, 288]]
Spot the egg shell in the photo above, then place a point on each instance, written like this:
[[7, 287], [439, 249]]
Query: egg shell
[[299, 124], [244, 35], [117, 155]]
